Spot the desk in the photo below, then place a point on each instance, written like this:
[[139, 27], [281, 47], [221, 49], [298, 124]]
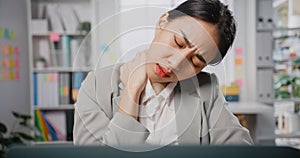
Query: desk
[[260, 120], [164, 152], [249, 107]]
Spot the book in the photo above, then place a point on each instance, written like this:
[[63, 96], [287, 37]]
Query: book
[[53, 17], [50, 128], [69, 18], [38, 126], [59, 122], [43, 127], [66, 50], [35, 89]]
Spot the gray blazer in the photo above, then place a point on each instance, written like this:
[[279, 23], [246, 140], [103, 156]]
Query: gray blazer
[[202, 115]]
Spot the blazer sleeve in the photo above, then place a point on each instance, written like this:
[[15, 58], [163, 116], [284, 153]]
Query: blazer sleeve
[[224, 127], [93, 126]]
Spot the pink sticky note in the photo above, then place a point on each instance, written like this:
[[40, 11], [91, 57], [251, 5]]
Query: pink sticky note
[[6, 75], [4, 49], [238, 51], [17, 75], [6, 63], [239, 82], [17, 65], [54, 37], [17, 53], [55, 77]]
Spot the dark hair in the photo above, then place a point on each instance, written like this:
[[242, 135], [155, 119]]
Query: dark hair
[[214, 12]]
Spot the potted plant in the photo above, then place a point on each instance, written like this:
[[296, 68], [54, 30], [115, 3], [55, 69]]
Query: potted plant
[[16, 136], [40, 62]]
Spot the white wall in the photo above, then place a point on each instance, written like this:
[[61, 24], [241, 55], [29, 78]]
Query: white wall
[[14, 95]]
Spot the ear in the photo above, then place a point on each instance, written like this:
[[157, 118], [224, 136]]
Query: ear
[[163, 20]]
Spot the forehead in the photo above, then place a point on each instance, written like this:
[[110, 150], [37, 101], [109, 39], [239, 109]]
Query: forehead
[[199, 33]]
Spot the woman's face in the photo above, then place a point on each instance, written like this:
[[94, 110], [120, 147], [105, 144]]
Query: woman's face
[[180, 49]]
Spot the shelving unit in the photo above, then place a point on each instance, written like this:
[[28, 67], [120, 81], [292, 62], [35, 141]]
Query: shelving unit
[[54, 85], [270, 63]]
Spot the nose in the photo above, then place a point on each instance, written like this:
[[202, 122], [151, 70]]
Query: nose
[[178, 58]]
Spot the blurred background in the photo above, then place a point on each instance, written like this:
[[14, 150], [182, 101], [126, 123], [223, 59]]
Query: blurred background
[[48, 46]]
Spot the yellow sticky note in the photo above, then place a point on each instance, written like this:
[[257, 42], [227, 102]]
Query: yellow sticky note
[[10, 50], [238, 73], [11, 63], [50, 77], [66, 90], [12, 35], [12, 75], [238, 61], [1, 32]]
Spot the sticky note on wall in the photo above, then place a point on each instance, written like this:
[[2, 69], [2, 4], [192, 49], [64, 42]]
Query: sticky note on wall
[[4, 49], [238, 61], [16, 50], [11, 63], [238, 51], [5, 75], [1, 32], [239, 82], [17, 75], [5, 63], [10, 50], [12, 35], [12, 75], [6, 33], [54, 37], [17, 65]]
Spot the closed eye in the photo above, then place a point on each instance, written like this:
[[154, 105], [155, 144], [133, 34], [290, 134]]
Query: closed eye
[[177, 41], [198, 61], [200, 57]]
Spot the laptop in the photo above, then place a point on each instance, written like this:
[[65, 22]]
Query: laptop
[[63, 151]]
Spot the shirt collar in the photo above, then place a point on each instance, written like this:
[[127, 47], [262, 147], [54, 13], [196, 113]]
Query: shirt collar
[[150, 93]]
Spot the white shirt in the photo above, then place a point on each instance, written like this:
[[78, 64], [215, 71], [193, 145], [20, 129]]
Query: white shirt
[[157, 114]]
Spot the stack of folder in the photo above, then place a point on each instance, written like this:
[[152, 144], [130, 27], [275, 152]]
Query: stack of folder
[[231, 93]]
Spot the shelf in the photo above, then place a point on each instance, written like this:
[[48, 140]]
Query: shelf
[[290, 135], [265, 66], [265, 30], [53, 143], [249, 107], [62, 69], [277, 29], [288, 100], [60, 107]]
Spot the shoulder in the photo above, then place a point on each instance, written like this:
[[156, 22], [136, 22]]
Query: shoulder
[[107, 77]]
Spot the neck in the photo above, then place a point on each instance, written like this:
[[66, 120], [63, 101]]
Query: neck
[[158, 87]]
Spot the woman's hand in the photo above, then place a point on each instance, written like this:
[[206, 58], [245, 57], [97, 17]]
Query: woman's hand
[[133, 74], [134, 78]]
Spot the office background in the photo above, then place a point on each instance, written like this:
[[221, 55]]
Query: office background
[[46, 51]]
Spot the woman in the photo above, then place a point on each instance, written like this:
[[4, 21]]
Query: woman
[[162, 97]]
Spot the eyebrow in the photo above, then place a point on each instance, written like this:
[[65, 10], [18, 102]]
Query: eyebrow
[[186, 40]]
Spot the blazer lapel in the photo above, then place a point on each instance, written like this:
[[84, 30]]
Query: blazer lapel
[[188, 118]]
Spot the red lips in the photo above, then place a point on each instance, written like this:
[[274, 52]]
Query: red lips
[[162, 72]]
